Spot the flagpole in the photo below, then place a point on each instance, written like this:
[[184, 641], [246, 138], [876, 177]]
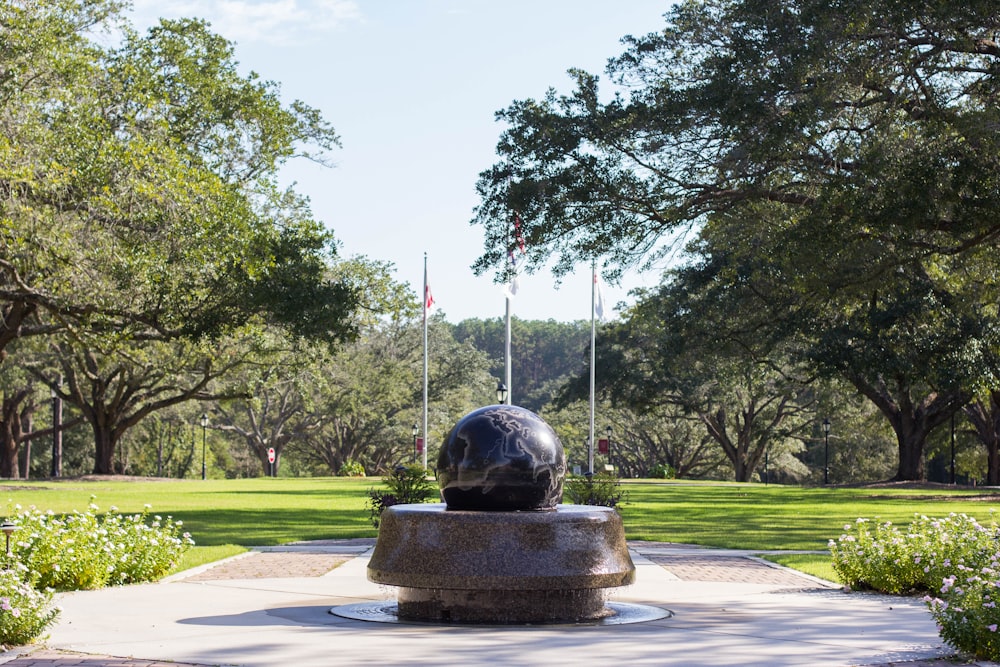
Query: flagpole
[[425, 362], [506, 357], [593, 358]]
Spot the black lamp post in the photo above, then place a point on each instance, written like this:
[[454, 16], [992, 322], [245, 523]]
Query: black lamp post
[[56, 433], [953, 448], [416, 430], [204, 426], [611, 460], [501, 393], [826, 451]]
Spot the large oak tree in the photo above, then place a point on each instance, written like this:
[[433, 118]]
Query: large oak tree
[[139, 184], [838, 164]]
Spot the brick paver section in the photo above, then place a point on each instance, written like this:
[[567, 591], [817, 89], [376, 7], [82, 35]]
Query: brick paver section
[[272, 565], [731, 569], [49, 658]]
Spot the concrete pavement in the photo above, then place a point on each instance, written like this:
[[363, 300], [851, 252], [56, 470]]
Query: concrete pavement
[[271, 608]]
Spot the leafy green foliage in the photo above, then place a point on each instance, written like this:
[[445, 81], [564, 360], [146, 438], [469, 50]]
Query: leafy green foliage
[[966, 610], [83, 550], [547, 353], [835, 181], [140, 185], [602, 489], [351, 468], [404, 485], [879, 555], [954, 559], [663, 471], [363, 399], [667, 355], [25, 610]]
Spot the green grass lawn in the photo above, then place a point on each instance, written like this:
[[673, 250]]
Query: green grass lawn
[[225, 516], [745, 516]]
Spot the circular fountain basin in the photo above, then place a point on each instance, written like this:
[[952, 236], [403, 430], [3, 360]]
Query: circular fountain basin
[[463, 566]]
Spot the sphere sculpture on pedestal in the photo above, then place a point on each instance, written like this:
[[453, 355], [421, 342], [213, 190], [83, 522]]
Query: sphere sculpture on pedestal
[[501, 550], [504, 458]]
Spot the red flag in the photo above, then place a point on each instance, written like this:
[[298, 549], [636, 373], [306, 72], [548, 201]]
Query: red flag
[[428, 297], [517, 231]]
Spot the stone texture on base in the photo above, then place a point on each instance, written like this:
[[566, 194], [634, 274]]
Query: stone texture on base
[[502, 607], [501, 567]]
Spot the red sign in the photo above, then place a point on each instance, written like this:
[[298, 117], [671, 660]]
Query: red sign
[[270, 454], [420, 445], [602, 446]]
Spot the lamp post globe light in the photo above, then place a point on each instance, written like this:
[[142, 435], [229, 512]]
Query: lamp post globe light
[[826, 450], [415, 431], [8, 528], [204, 427], [501, 393]]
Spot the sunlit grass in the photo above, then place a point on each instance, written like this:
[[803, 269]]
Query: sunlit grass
[[198, 556], [745, 516], [818, 565], [223, 516], [234, 514]]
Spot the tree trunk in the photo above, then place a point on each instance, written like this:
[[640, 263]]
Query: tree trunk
[[29, 427], [8, 444], [10, 433], [911, 456], [104, 456], [985, 419], [911, 420]]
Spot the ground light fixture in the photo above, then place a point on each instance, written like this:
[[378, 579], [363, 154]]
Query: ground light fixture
[[501, 393], [8, 529]]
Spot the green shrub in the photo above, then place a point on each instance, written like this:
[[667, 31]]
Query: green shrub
[[966, 610], [351, 468], [406, 484], [955, 559], [81, 551], [877, 555], [663, 471], [603, 489], [25, 611], [378, 501]]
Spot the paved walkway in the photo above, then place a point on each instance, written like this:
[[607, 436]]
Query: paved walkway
[[269, 608]]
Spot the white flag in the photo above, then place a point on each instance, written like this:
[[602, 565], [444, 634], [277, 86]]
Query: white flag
[[511, 288], [599, 299]]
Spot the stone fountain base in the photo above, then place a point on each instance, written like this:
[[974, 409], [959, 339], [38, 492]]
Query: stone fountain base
[[456, 566]]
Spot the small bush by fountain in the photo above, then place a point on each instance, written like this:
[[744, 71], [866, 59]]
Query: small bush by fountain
[[404, 485]]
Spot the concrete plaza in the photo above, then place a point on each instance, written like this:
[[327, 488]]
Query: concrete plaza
[[270, 608]]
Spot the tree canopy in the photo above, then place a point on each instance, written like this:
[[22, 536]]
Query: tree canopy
[[140, 189], [870, 125], [832, 166]]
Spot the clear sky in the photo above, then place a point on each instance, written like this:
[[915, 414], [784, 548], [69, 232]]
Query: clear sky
[[411, 86]]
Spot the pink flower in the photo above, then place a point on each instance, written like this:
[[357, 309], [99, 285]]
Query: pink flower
[[992, 628]]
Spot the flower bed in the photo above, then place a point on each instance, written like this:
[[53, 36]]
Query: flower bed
[[954, 560], [77, 551]]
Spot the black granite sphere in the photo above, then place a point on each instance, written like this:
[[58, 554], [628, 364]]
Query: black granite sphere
[[501, 458]]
